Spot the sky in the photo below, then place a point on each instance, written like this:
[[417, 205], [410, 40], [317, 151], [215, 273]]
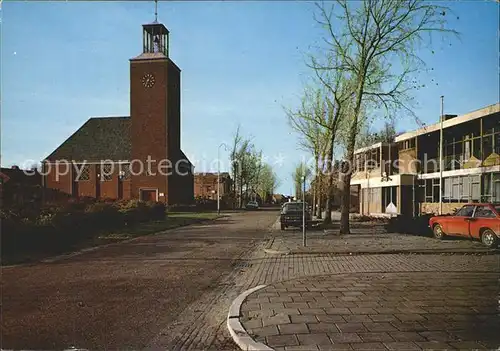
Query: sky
[[242, 63]]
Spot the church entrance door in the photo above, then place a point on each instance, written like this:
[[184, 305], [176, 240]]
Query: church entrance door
[[149, 194]]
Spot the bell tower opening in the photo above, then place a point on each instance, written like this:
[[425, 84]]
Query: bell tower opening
[[155, 38]]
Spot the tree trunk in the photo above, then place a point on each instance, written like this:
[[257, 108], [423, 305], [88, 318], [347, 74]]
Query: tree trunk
[[320, 206], [328, 205], [345, 204], [346, 186], [240, 205], [320, 194], [347, 165], [315, 187], [235, 180], [314, 201]]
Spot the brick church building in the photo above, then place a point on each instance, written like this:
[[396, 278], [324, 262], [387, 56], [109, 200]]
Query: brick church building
[[134, 157]]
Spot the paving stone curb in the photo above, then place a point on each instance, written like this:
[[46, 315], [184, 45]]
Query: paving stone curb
[[394, 252], [236, 329], [276, 252]]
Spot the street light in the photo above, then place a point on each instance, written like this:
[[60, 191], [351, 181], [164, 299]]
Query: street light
[[441, 163], [218, 175], [304, 212]]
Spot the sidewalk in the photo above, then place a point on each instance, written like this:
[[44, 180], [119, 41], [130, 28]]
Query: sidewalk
[[376, 311], [203, 326], [370, 290], [366, 238]]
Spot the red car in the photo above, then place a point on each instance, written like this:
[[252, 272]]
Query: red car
[[479, 221]]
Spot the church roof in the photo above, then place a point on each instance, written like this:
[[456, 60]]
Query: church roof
[[100, 138]]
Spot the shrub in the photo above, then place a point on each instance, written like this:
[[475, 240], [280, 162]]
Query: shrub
[[10, 223], [103, 215], [410, 225], [157, 211], [133, 211], [56, 227]]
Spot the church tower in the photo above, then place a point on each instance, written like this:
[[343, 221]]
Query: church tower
[[155, 114]]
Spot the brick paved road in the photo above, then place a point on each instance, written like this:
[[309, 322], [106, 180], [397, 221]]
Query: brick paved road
[[389, 311]]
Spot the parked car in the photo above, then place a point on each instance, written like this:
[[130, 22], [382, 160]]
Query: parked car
[[478, 221], [252, 205], [291, 215]]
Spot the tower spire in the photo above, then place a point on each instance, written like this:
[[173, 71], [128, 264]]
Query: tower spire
[[156, 11]]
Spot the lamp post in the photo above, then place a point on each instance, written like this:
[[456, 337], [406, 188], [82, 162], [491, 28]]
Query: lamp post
[[218, 175], [441, 163], [304, 243]]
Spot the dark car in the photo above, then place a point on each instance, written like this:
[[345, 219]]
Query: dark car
[[252, 205], [291, 215]]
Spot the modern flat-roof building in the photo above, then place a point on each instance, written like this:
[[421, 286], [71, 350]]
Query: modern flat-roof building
[[405, 178]]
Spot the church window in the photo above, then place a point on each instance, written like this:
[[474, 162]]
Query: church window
[[85, 173], [107, 172], [125, 171]]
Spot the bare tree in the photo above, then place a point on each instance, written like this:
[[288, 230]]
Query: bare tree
[[337, 102], [242, 164], [301, 173], [237, 139], [386, 134], [308, 121], [369, 40], [247, 166], [268, 181]]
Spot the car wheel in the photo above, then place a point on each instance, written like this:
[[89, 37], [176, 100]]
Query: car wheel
[[489, 239], [438, 232]]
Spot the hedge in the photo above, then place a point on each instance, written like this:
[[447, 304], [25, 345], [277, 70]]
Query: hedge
[[54, 228]]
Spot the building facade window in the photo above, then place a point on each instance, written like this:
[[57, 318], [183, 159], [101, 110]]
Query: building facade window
[[461, 189], [407, 144], [125, 171], [490, 187], [428, 190], [491, 137], [461, 144], [357, 163], [373, 159], [464, 144], [84, 173], [106, 173], [374, 195]]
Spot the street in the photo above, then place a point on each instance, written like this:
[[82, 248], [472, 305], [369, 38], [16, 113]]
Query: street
[[123, 295], [192, 176], [173, 290]]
